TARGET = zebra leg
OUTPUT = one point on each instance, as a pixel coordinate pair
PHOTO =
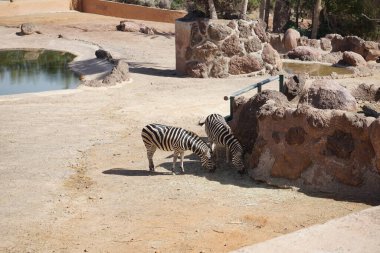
(227, 155)
(175, 156)
(150, 152)
(182, 168)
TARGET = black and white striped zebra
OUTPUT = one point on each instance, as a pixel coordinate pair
(219, 133)
(175, 139)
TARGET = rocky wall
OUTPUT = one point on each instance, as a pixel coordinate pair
(219, 48)
(327, 150)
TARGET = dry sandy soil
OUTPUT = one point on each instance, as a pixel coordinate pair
(73, 167)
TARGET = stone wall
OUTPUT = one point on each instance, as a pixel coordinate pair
(27, 7)
(208, 48)
(328, 150)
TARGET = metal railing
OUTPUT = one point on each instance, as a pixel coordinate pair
(251, 87)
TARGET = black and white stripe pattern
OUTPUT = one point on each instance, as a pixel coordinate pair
(220, 133)
(175, 139)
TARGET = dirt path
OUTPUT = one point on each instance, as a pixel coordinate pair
(74, 171)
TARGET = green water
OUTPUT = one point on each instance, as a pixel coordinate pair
(24, 71)
(314, 69)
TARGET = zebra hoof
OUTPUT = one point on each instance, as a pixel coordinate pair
(151, 169)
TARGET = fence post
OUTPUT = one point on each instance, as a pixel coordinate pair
(281, 83)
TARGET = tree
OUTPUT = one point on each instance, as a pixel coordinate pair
(212, 9)
(267, 8)
(315, 24)
(244, 9)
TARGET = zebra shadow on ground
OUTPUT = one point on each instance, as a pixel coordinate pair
(135, 173)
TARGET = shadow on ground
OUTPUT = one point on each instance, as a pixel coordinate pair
(92, 67)
(150, 69)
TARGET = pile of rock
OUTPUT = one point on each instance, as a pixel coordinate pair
(206, 48)
(335, 149)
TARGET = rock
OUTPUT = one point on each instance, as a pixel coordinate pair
(231, 46)
(372, 55)
(336, 42)
(305, 53)
(294, 86)
(290, 39)
(374, 133)
(205, 52)
(333, 57)
(197, 69)
(245, 29)
(129, 26)
(276, 41)
(218, 32)
(368, 92)
(259, 30)
(328, 94)
(326, 44)
(28, 29)
(271, 56)
(371, 110)
(244, 65)
(353, 59)
(233, 24)
(119, 73)
(253, 44)
(103, 54)
(219, 68)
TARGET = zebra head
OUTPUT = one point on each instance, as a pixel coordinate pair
(207, 160)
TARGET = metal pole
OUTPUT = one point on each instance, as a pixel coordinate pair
(281, 83)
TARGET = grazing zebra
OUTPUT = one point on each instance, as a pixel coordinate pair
(175, 139)
(219, 133)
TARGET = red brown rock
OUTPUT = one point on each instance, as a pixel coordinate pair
(305, 53)
(290, 39)
(271, 56)
(244, 65)
(353, 59)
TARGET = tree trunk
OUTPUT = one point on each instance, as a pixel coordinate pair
(298, 12)
(212, 9)
(316, 12)
(281, 15)
(262, 9)
(244, 9)
(267, 9)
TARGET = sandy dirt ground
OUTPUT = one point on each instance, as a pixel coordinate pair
(74, 172)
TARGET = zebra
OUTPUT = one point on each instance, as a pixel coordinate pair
(175, 139)
(219, 133)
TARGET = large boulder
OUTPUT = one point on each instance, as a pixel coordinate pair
(353, 59)
(28, 29)
(244, 65)
(328, 94)
(259, 29)
(231, 46)
(271, 56)
(277, 42)
(294, 86)
(371, 51)
(205, 52)
(218, 32)
(305, 53)
(252, 44)
(290, 39)
(375, 139)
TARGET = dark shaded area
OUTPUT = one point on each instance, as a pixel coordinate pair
(134, 173)
(92, 66)
(340, 144)
(150, 69)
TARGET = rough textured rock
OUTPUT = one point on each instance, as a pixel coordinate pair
(214, 48)
(129, 26)
(333, 57)
(103, 54)
(219, 68)
(28, 29)
(218, 32)
(271, 56)
(326, 44)
(245, 29)
(244, 123)
(327, 150)
(294, 86)
(371, 51)
(205, 52)
(231, 46)
(244, 65)
(305, 53)
(353, 59)
(260, 32)
(197, 69)
(252, 44)
(367, 92)
(374, 133)
(290, 39)
(277, 42)
(119, 73)
(328, 94)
